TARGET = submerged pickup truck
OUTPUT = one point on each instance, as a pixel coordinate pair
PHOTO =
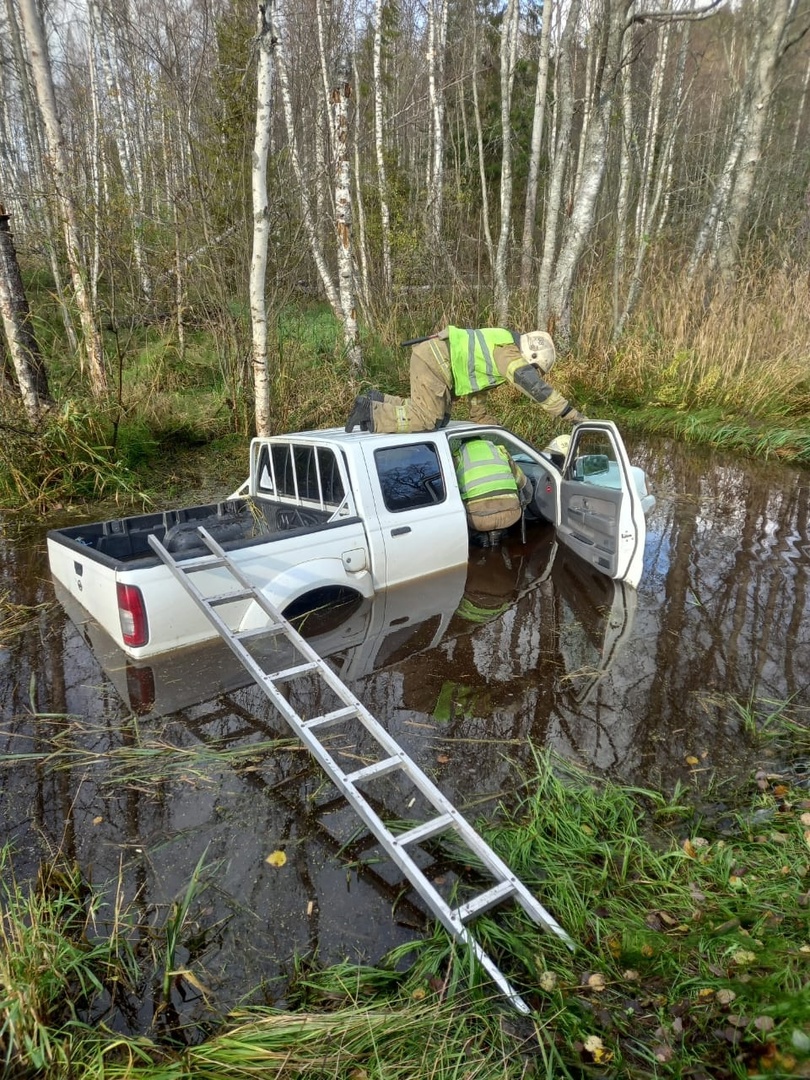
(326, 514)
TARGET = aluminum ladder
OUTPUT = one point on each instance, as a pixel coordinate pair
(391, 758)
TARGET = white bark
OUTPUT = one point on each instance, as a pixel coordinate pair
(509, 42)
(479, 133)
(46, 99)
(128, 157)
(538, 121)
(594, 160)
(261, 221)
(563, 121)
(437, 39)
(341, 94)
(379, 150)
(315, 248)
(22, 345)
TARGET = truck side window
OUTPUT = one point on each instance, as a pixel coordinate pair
(410, 476)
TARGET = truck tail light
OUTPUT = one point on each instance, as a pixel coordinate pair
(132, 614)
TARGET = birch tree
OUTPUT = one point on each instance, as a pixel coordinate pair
(129, 157)
(379, 149)
(32, 380)
(341, 94)
(538, 121)
(720, 233)
(436, 44)
(261, 219)
(509, 43)
(46, 100)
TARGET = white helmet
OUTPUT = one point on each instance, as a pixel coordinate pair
(559, 445)
(538, 348)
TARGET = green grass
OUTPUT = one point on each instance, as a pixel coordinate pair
(692, 951)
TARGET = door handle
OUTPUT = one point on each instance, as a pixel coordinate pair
(401, 530)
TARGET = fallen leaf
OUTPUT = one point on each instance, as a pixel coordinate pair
(663, 1053)
(764, 1023)
(276, 858)
(801, 1040)
(418, 994)
(744, 956)
(548, 980)
(805, 819)
(689, 849)
(705, 992)
(98, 820)
(807, 837)
(725, 996)
(631, 975)
(597, 982)
(593, 1042)
(310, 907)
(442, 759)
(780, 790)
(647, 950)
(690, 759)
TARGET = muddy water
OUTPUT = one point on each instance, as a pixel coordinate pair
(523, 646)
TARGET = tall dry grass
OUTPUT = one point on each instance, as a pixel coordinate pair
(689, 346)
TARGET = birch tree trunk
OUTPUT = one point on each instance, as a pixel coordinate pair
(437, 39)
(718, 236)
(563, 122)
(538, 121)
(479, 134)
(261, 220)
(128, 157)
(315, 248)
(594, 160)
(379, 149)
(341, 93)
(32, 380)
(509, 41)
(46, 99)
(33, 127)
(774, 17)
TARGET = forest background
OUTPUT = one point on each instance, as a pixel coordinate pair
(227, 216)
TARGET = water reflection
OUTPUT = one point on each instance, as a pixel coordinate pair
(464, 669)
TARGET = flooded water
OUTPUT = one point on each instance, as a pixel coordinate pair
(156, 767)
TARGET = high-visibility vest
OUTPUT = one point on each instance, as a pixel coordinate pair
(471, 357)
(483, 471)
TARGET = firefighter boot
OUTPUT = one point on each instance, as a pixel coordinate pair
(361, 414)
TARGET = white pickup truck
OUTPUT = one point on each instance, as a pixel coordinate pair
(326, 514)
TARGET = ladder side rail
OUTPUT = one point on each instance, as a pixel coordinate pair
(451, 919)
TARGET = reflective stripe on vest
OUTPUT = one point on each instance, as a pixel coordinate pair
(483, 471)
(471, 357)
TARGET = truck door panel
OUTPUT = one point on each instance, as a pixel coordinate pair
(601, 513)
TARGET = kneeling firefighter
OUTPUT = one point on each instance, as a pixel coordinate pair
(459, 362)
(494, 488)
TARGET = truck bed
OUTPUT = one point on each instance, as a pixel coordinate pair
(125, 541)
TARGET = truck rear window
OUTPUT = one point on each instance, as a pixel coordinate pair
(410, 476)
(305, 473)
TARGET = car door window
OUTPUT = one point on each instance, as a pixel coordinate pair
(410, 476)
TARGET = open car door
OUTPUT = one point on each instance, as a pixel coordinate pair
(601, 514)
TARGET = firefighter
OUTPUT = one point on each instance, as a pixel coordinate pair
(493, 487)
(460, 362)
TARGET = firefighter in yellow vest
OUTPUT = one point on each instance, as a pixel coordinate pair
(493, 487)
(460, 362)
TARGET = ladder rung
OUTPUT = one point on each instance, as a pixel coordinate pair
(291, 672)
(424, 831)
(379, 768)
(486, 900)
(331, 717)
(228, 597)
(204, 562)
(257, 631)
